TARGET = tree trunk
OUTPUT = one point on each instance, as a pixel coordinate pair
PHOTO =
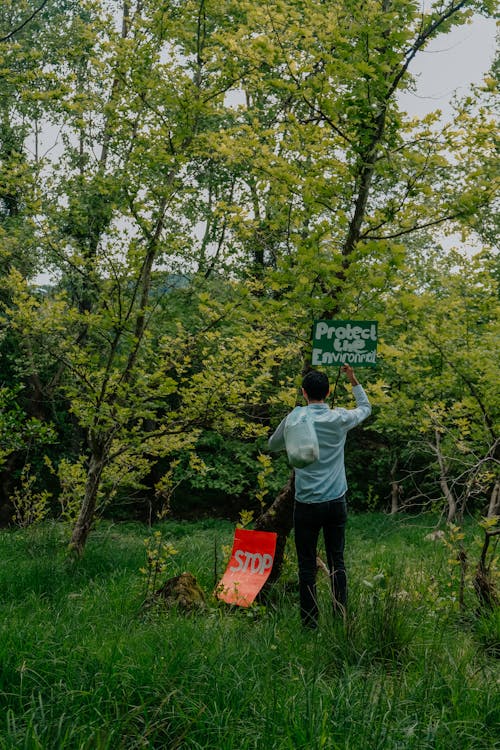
(395, 492)
(484, 582)
(450, 499)
(279, 518)
(85, 519)
(494, 507)
(395, 489)
(443, 480)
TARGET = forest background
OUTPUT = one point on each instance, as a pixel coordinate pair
(225, 174)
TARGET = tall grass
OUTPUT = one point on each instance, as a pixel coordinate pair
(84, 666)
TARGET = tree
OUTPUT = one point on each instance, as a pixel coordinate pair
(440, 398)
(348, 176)
(227, 173)
(27, 89)
(115, 226)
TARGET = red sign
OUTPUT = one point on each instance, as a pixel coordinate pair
(248, 568)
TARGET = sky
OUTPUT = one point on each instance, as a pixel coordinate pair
(449, 65)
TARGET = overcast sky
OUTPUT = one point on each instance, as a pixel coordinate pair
(450, 64)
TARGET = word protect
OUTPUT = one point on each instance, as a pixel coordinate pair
(341, 341)
(347, 331)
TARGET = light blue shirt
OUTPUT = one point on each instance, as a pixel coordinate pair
(325, 479)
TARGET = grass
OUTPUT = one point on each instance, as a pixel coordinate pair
(84, 666)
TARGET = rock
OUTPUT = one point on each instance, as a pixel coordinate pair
(182, 591)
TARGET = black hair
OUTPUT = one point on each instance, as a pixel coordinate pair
(316, 385)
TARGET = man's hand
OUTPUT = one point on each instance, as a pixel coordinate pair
(350, 374)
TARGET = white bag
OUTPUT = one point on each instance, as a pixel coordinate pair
(301, 441)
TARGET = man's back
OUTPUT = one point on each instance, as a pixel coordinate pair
(325, 478)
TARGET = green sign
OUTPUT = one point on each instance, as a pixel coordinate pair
(337, 342)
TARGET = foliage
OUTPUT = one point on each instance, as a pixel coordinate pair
(71, 476)
(231, 467)
(223, 174)
(441, 392)
(17, 432)
(158, 556)
(30, 507)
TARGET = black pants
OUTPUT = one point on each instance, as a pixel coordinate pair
(309, 519)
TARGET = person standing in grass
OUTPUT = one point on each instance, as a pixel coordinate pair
(320, 491)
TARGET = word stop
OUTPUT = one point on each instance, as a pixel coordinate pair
(252, 562)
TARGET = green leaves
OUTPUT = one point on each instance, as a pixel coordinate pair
(18, 432)
(220, 175)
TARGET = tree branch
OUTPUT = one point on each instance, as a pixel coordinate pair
(415, 228)
(24, 23)
(422, 39)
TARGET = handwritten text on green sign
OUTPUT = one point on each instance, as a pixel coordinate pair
(341, 341)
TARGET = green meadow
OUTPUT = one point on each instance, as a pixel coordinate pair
(85, 666)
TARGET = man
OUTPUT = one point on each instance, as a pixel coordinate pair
(320, 490)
